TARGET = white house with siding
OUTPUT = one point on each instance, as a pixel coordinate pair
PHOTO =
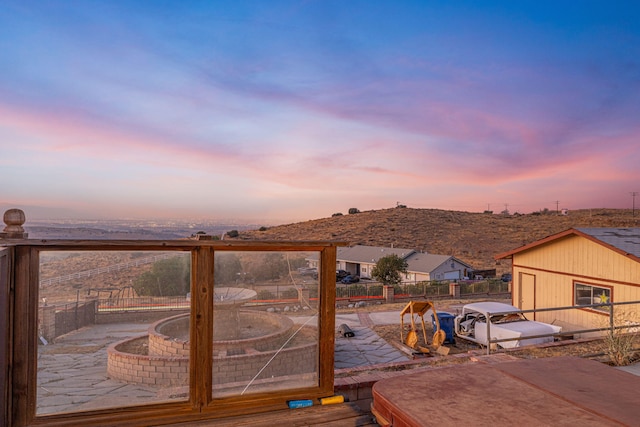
(360, 259)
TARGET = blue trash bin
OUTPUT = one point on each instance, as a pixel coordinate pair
(446, 324)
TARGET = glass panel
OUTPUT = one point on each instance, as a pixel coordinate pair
(583, 294)
(265, 322)
(113, 329)
(601, 296)
(587, 295)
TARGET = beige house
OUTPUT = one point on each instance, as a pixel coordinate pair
(581, 266)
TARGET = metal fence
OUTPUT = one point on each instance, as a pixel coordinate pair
(614, 324)
(489, 286)
(424, 288)
(143, 304)
(360, 290)
(368, 289)
(56, 320)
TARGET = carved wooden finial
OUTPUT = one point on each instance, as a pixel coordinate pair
(14, 219)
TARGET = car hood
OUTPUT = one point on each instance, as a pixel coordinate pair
(526, 328)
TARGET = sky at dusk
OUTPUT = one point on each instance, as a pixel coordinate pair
(295, 110)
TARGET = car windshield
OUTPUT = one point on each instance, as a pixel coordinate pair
(507, 318)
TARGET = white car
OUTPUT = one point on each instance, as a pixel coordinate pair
(511, 323)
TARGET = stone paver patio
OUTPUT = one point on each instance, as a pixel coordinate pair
(72, 372)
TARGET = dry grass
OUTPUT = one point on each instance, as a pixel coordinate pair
(472, 237)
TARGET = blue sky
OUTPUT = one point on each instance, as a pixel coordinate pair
(295, 110)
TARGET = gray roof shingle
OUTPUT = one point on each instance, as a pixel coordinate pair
(369, 254)
(624, 239)
(421, 262)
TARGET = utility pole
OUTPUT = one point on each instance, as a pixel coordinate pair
(557, 207)
(633, 197)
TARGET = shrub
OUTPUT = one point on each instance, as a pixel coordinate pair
(415, 289)
(620, 340)
(289, 294)
(353, 211)
(167, 277)
(233, 233)
(337, 214)
(267, 266)
(264, 294)
(356, 290)
(263, 228)
(375, 290)
(226, 269)
(342, 292)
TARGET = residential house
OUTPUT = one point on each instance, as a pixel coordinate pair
(423, 266)
(360, 260)
(580, 266)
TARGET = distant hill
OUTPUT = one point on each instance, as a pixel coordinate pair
(472, 237)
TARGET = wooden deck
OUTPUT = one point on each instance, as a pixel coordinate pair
(338, 415)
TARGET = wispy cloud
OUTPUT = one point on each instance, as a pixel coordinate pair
(310, 106)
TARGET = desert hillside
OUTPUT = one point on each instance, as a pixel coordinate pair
(472, 237)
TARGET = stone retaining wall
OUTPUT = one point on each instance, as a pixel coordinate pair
(143, 369)
(174, 370)
(289, 361)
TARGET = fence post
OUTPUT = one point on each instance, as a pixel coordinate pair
(388, 293)
(304, 296)
(454, 289)
(48, 322)
(611, 320)
(488, 320)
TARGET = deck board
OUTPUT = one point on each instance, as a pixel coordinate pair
(338, 415)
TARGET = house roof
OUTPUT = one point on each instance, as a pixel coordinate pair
(625, 241)
(370, 254)
(422, 262)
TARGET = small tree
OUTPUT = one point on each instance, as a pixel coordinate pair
(353, 211)
(226, 268)
(167, 277)
(388, 268)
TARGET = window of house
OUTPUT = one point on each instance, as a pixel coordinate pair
(589, 294)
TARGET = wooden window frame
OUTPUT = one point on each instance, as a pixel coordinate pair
(20, 333)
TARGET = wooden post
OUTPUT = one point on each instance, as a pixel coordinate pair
(14, 219)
